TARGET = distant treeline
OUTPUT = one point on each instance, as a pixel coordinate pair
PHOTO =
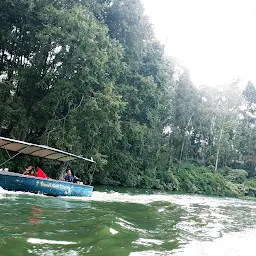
(89, 77)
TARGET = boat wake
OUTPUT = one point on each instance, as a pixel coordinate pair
(6, 193)
(186, 201)
(157, 224)
(235, 244)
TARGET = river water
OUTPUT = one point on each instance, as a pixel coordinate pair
(126, 222)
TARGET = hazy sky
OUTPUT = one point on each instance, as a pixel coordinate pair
(214, 39)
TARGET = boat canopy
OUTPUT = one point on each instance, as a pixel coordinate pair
(39, 150)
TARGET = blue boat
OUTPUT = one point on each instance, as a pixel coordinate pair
(19, 182)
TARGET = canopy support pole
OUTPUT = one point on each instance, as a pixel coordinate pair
(10, 158)
(64, 168)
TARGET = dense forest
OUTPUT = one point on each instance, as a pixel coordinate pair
(89, 77)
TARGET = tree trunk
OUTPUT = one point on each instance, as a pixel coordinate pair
(181, 151)
(218, 151)
(183, 143)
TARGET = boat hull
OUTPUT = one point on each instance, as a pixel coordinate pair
(19, 182)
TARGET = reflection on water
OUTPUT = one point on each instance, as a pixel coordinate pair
(36, 211)
(114, 223)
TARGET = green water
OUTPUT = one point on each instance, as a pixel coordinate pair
(126, 222)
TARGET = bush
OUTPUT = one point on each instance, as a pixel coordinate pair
(237, 176)
(236, 189)
(225, 170)
(250, 186)
(250, 183)
(199, 179)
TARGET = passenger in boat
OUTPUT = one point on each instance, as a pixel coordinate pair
(30, 171)
(64, 175)
(76, 179)
(69, 177)
(40, 173)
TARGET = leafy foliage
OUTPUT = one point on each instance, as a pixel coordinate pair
(90, 77)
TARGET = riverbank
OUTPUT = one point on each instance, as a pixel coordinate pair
(190, 178)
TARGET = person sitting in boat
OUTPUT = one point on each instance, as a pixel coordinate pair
(64, 175)
(76, 179)
(69, 177)
(30, 171)
(40, 173)
(4, 170)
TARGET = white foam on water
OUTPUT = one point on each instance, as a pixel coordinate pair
(11, 195)
(161, 209)
(45, 241)
(125, 221)
(126, 225)
(204, 224)
(233, 244)
(152, 253)
(14, 194)
(43, 252)
(187, 201)
(113, 231)
(148, 242)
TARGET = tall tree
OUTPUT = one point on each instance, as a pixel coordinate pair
(58, 63)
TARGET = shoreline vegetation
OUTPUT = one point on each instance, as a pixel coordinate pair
(90, 77)
(195, 179)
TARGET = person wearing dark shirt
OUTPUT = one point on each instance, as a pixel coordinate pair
(30, 171)
(69, 177)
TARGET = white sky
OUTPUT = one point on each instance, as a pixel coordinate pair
(214, 39)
